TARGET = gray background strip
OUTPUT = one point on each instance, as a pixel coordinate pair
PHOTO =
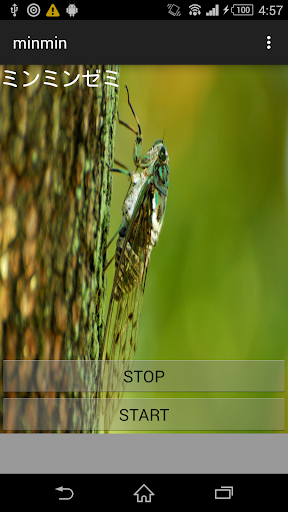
(144, 453)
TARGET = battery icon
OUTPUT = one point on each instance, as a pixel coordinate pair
(242, 9)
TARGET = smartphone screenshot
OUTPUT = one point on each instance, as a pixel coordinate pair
(143, 253)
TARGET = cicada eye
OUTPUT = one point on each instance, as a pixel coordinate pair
(163, 154)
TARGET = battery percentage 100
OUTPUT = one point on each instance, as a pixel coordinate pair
(242, 9)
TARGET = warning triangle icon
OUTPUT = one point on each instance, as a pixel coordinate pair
(52, 12)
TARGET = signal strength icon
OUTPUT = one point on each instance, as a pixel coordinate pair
(214, 11)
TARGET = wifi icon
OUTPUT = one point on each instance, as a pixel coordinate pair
(194, 9)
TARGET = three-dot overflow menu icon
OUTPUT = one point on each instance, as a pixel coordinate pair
(268, 42)
(224, 493)
(144, 494)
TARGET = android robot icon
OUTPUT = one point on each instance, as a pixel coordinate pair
(72, 10)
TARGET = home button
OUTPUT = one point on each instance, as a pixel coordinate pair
(144, 494)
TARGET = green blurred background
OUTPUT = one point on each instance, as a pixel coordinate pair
(217, 284)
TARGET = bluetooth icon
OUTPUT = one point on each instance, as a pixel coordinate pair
(14, 9)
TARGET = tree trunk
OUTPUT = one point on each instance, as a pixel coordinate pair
(55, 190)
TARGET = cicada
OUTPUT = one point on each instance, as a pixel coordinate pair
(143, 213)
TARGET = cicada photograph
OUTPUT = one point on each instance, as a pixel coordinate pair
(144, 220)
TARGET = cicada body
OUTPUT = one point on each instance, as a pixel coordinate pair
(143, 213)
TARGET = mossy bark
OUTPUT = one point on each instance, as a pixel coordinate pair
(56, 144)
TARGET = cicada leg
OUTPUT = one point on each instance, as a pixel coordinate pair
(109, 262)
(110, 242)
(114, 236)
(128, 173)
(122, 171)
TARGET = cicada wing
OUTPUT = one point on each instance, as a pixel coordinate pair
(121, 332)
